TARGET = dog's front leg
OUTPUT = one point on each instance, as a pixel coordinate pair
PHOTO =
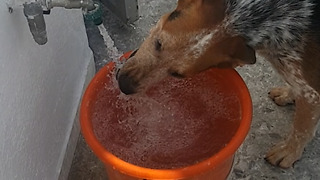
(305, 123)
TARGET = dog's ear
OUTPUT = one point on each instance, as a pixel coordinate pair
(237, 51)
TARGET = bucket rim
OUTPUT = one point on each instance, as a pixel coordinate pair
(141, 172)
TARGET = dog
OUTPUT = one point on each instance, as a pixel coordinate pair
(201, 34)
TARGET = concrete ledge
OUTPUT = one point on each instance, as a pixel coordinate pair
(75, 132)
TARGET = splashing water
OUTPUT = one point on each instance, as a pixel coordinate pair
(175, 123)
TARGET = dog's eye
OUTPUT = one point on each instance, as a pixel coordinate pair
(158, 45)
(176, 75)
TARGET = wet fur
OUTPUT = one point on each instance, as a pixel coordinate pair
(201, 34)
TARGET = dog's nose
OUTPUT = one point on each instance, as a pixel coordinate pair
(126, 84)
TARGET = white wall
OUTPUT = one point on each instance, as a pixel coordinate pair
(40, 89)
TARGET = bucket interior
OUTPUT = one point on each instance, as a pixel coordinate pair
(174, 124)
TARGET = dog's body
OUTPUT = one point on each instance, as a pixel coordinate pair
(201, 34)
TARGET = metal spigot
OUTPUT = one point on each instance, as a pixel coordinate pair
(34, 12)
(69, 4)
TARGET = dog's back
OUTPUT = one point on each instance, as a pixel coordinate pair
(273, 24)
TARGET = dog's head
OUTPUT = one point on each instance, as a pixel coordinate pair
(184, 42)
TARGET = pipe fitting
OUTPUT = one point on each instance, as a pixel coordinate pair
(70, 4)
(94, 15)
(34, 14)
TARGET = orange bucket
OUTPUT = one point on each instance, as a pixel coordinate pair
(230, 128)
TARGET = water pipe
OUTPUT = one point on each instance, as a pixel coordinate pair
(69, 4)
(34, 12)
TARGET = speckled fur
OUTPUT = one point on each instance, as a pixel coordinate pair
(280, 30)
(275, 24)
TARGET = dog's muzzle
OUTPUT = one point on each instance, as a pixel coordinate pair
(126, 83)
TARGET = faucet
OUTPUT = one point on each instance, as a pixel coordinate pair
(69, 4)
(34, 12)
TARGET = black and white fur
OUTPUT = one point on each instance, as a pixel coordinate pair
(281, 30)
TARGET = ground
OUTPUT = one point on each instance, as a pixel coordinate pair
(270, 122)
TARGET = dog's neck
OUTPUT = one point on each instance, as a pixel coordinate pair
(271, 24)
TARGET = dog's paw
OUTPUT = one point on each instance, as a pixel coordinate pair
(284, 154)
(281, 96)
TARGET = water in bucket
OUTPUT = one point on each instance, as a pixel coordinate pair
(174, 124)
